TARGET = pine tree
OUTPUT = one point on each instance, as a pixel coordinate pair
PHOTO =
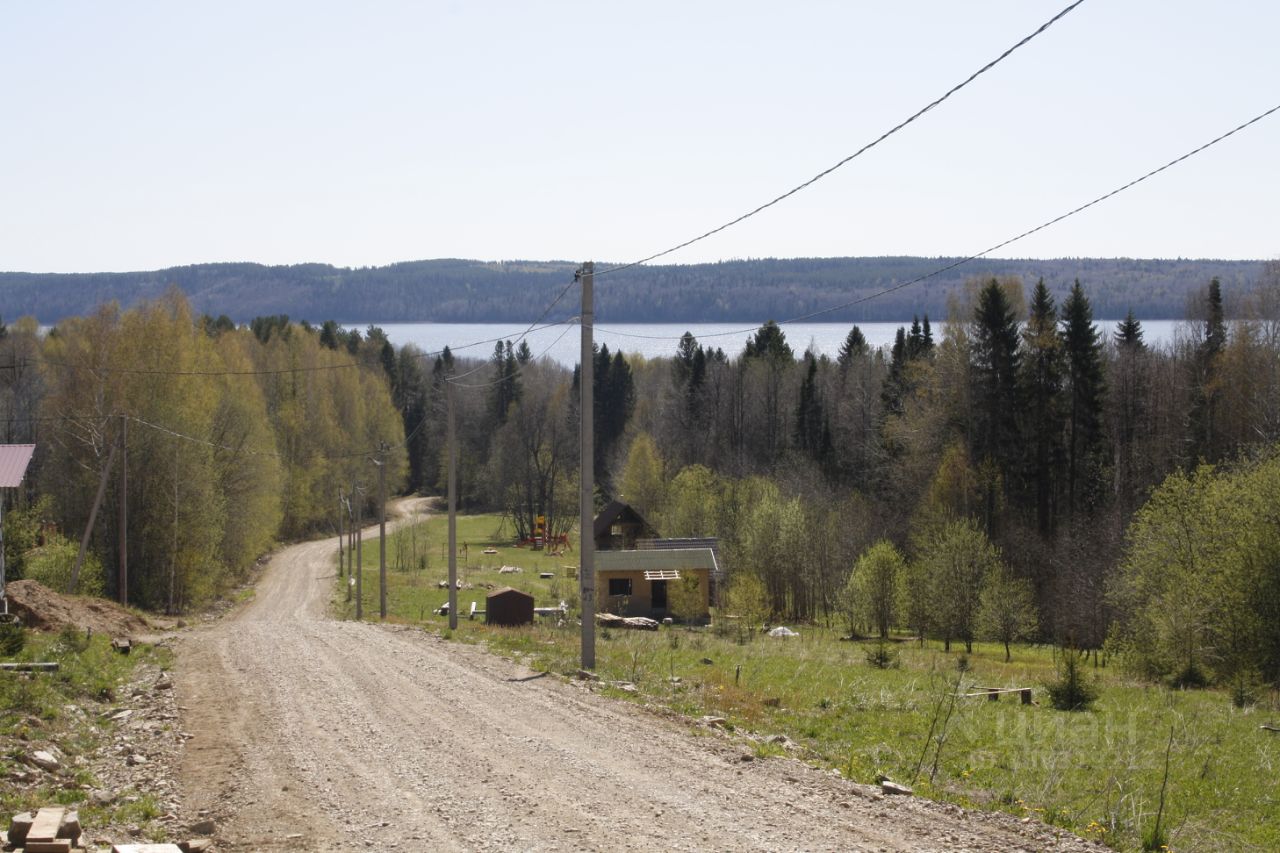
(1086, 387)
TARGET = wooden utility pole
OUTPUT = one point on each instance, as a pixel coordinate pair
(382, 529)
(122, 579)
(587, 548)
(359, 554)
(453, 507)
(93, 516)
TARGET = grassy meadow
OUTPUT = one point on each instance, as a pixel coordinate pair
(1098, 772)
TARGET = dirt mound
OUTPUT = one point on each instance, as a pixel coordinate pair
(45, 610)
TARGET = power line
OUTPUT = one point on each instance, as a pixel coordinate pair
(541, 317)
(278, 371)
(984, 252)
(825, 172)
(538, 357)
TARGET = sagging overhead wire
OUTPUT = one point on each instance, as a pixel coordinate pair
(569, 324)
(947, 268)
(525, 333)
(865, 148)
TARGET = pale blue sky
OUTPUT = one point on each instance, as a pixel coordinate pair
(142, 135)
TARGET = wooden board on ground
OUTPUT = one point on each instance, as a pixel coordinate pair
(57, 845)
(45, 826)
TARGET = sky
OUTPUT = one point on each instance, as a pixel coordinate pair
(142, 135)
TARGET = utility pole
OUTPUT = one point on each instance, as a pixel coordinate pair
(359, 555)
(122, 580)
(453, 507)
(342, 544)
(88, 528)
(382, 529)
(587, 550)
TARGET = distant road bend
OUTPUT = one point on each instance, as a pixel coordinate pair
(309, 733)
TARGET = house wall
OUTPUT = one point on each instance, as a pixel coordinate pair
(640, 602)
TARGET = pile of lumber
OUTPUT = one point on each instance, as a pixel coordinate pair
(635, 623)
(50, 830)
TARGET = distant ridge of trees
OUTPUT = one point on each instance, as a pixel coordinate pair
(459, 291)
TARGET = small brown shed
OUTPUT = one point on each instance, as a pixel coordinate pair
(507, 606)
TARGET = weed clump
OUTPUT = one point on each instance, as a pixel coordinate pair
(882, 656)
(12, 638)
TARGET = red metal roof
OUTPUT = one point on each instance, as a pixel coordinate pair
(14, 459)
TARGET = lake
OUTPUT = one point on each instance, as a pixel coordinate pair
(653, 340)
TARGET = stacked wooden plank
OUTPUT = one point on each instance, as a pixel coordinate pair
(50, 830)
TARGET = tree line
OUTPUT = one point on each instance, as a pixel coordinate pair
(466, 291)
(234, 437)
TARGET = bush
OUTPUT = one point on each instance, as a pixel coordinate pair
(882, 656)
(1072, 691)
(52, 564)
(12, 638)
(1190, 677)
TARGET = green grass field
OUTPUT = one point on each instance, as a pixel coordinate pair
(1097, 772)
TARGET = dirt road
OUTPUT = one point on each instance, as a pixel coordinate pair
(315, 734)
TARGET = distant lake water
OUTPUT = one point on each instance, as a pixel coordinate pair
(658, 340)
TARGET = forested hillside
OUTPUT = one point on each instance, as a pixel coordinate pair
(514, 291)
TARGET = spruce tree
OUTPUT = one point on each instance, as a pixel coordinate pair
(1129, 332)
(854, 346)
(994, 376)
(1042, 380)
(1086, 386)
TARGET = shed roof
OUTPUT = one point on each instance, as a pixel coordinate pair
(655, 561)
(505, 591)
(14, 459)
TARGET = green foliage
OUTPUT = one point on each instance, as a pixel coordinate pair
(247, 439)
(13, 637)
(1007, 609)
(1196, 590)
(871, 592)
(686, 600)
(52, 565)
(954, 558)
(643, 485)
(1072, 690)
(883, 656)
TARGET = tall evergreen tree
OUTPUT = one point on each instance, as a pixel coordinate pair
(1041, 379)
(812, 435)
(1086, 387)
(1129, 332)
(994, 377)
(854, 346)
(1204, 381)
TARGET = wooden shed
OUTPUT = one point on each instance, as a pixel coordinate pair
(507, 606)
